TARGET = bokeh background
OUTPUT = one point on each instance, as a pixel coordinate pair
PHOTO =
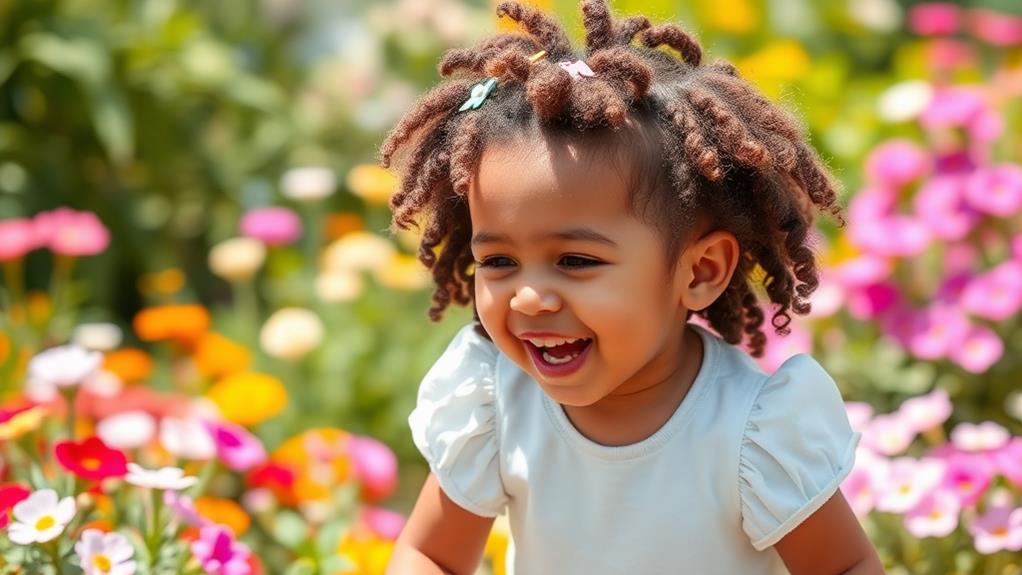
(189, 189)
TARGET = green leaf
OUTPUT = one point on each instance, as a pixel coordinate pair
(301, 567)
(113, 122)
(329, 536)
(290, 529)
(8, 62)
(80, 58)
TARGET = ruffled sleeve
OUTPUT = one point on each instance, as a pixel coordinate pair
(796, 450)
(454, 424)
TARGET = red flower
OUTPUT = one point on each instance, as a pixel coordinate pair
(279, 479)
(10, 495)
(91, 459)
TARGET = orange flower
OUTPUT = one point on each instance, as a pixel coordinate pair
(216, 355)
(320, 459)
(129, 364)
(341, 224)
(5, 347)
(182, 323)
(248, 398)
(166, 282)
(225, 512)
(369, 554)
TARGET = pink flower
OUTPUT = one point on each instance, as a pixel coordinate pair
(863, 270)
(896, 163)
(888, 434)
(940, 204)
(995, 28)
(985, 436)
(980, 349)
(935, 18)
(71, 233)
(996, 190)
(962, 107)
(1008, 460)
(17, 238)
(936, 515)
(274, 226)
(947, 54)
(219, 553)
(996, 294)
(184, 508)
(779, 348)
(861, 484)
(383, 522)
(895, 235)
(873, 301)
(926, 412)
(937, 330)
(967, 476)
(859, 414)
(827, 299)
(908, 481)
(235, 446)
(375, 467)
(997, 529)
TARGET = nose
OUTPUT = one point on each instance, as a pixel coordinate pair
(530, 301)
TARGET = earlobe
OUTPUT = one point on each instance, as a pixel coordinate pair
(710, 262)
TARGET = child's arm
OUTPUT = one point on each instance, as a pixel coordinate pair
(440, 536)
(829, 542)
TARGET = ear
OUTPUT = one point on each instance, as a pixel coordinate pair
(705, 268)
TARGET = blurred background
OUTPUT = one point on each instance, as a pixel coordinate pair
(189, 189)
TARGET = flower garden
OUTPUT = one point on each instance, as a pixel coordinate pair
(209, 342)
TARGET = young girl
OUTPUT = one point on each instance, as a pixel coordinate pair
(588, 208)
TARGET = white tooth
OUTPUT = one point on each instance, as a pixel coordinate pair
(557, 361)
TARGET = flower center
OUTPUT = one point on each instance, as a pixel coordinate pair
(44, 523)
(101, 562)
(91, 463)
(1000, 531)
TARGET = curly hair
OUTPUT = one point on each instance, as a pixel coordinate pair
(722, 151)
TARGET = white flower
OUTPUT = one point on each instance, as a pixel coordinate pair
(904, 101)
(162, 478)
(187, 438)
(105, 553)
(339, 286)
(308, 184)
(40, 518)
(127, 429)
(237, 259)
(64, 366)
(358, 251)
(291, 333)
(97, 336)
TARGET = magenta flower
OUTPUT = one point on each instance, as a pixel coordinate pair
(375, 467)
(962, 107)
(908, 481)
(998, 529)
(967, 476)
(940, 204)
(70, 233)
(17, 238)
(888, 434)
(937, 330)
(985, 436)
(996, 190)
(896, 163)
(936, 515)
(219, 553)
(926, 412)
(863, 270)
(274, 226)
(235, 446)
(996, 28)
(935, 18)
(980, 349)
(873, 301)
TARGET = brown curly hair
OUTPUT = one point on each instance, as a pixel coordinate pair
(721, 150)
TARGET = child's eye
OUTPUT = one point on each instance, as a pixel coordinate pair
(495, 262)
(575, 262)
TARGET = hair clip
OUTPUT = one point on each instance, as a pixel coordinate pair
(480, 92)
(537, 56)
(578, 69)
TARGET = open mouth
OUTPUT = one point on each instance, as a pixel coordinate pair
(561, 359)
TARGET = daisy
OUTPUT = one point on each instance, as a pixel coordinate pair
(163, 478)
(41, 517)
(105, 553)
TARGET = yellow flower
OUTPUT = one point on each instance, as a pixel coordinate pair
(166, 282)
(342, 224)
(496, 545)
(22, 423)
(506, 24)
(372, 183)
(225, 512)
(248, 398)
(339, 286)
(404, 272)
(5, 347)
(291, 333)
(369, 554)
(217, 356)
(778, 62)
(358, 251)
(129, 364)
(731, 16)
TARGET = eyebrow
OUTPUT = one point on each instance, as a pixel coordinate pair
(583, 234)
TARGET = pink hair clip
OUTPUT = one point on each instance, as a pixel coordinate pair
(577, 69)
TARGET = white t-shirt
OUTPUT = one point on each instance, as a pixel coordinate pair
(742, 461)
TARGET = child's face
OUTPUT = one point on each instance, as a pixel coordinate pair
(560, 255)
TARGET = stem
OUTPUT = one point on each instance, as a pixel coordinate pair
(62, 267)
(70, 393)
(53, 549)
(14, 273)
(247, 306)
(154, 540)
(207, 473)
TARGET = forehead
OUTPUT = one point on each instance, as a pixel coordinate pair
(547, 179)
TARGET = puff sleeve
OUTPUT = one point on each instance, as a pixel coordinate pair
(797, 448)
(454, 423)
